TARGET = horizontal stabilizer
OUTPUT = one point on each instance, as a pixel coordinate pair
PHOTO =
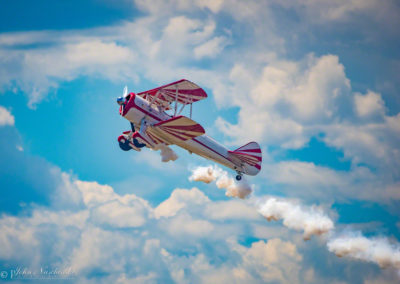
(251, 157)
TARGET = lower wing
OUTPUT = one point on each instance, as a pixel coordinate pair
(174, 130)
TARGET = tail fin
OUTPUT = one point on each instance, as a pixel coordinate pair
(251, 157)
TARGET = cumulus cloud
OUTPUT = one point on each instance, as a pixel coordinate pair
(179, 199)
(369, 104)
(38, 71)
(109, 232)
(284, 101)
(113, 232)
(6, 118)
(211, 48)
(310, 181)
(264, 257)
(293, 101)
(113, 53)
(287, 99)
(290, 102)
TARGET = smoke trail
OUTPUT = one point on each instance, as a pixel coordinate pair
(377, 250)
(167, 154)
(233, 188)
(312, 221)
(205, 174)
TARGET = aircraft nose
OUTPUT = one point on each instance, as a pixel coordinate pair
(126, 103)
(120, 100)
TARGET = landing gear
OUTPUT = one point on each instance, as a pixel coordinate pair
(125, 140)
(124, 145)
(238, 177)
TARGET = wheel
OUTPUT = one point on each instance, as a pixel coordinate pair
(238, 177)
(124, 145)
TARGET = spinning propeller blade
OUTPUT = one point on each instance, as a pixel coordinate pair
(125, 93)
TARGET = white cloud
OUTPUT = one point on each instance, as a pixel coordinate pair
(37, 71)
(309, 181)
(213, 5)
(97, 249)
(303, 173)
(6, 118)
(210, 48)
(150, 46)
(185, 226)
(265, 257)
(118, 214)
(121, 237)
(180, 198)
(375, 144)
(101, 237)
(369, 104)
(230, 210)
(287, 100)
(290, 102)
(337, 11)
(280, 103)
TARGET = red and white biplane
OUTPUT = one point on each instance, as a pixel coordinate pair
(157, 115)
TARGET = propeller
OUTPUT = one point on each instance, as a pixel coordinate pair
(125, 93)
(121, 100)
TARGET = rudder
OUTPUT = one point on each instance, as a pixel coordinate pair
(251, 157)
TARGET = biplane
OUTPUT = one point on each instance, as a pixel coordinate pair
(156, 122)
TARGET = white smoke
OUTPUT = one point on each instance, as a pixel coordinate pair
(167, 154)
(312, 221)
(377, 250)
(205, 174)
(233, 188)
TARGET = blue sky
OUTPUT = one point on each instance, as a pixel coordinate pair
(316, 83)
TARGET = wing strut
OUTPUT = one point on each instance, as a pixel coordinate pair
(154, 98)
(176, 99)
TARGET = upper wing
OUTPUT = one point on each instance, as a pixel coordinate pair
(175, 130)
(184, 91)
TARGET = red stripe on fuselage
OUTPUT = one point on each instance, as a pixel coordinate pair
(226, 158)
(145, 112)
